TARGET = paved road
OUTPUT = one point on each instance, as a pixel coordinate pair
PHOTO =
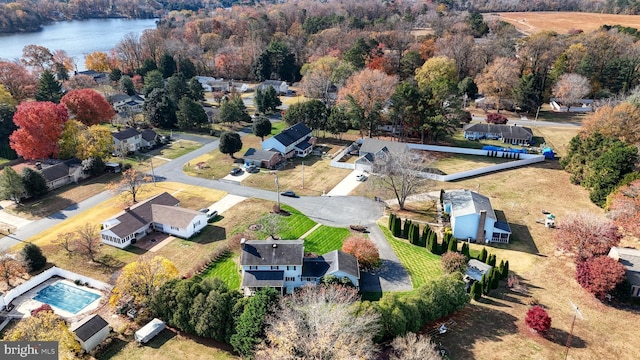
(340, 211)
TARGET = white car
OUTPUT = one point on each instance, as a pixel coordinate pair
(361, 177)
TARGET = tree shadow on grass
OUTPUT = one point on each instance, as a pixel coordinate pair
(160, 339)
(109, 262)
(489, 301)
(112, 349)
(560, 337)
(210, 234)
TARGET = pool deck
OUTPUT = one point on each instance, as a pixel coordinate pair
(25, 302)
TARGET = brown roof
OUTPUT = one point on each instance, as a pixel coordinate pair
(173, 215)
(141, 214)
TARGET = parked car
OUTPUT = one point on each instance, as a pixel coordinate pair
(212, 214)
(204, 210)
(252, 169)
(361, 177)
(235, 171)
(288, 193)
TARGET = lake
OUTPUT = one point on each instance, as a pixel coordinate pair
(77, 37)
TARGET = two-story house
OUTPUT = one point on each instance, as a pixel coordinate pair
(372, 149)
(280, 86)
(160, 213)
(127, 104)
(296, 140)
(281, 264)
(131, 140)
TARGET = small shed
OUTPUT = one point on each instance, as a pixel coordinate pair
(476, 268)
(91, 331)
(149, 331)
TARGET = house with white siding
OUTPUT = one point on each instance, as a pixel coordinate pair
(630, 259)
(132, 140)
(160, 213)
(295, 140)
(90, 332)
(473, 218)
(281, 264)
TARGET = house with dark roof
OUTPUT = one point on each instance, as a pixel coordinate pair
(630, 259)
(58, 174)
(126, 104)
(281, 264)
(131, 140)
(511, 134)
(295, 140)
(371, 149)
(149, 138)
(97, 76)
(473, 218)
(160, 213)
(91, 331)
(280, 86)
(267, 159)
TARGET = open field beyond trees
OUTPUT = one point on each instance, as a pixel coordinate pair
(534, 22)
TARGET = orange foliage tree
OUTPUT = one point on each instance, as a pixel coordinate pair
(624, 208)
(586, 235)
(97, 61)
(40, 125)
(364, 250)
(17, 80)
(88, 106)
(621, 121)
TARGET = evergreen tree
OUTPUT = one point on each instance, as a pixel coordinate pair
(505, 271)
(177, 87)
(453, 245)
(433, 243)
(405, 228)
(32, 256)
(445, 244)
(416, 234)
(476, 291)
(250, 324)
(11, 185)
(115, 75)
(262, 127)
(159, 110)
(147, 66)
(34, 183)
(484, 284)
(49, 89)
(230, 143)
(126, 85)
(190, 114)
(465, 250)
(397, 229)
(153, 80)
(186, 66)
(195, 89)
(495, 278)
(390, 225)
(167, 66)
(483, 255)
(501, 268)
(491, 260)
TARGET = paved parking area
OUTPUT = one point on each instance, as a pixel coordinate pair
(347, 185)
(237, 178)
(226, 203)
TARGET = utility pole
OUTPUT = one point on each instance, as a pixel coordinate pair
(303, 174)
(576, 313)
(152, 172)
(535, 121)
(277, 188)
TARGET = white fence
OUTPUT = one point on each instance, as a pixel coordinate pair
(10, 295)
(340, 155)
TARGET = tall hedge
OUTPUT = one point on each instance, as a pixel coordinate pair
(483, 255)
(397, 227)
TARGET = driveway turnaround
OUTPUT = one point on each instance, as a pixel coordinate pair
(347, 185)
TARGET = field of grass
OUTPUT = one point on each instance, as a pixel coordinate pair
(297, 224)
(226, 269)
(218, 164)
(176, 149)
(325, 239)
(450, 163)
(421, 264)
(562, 22)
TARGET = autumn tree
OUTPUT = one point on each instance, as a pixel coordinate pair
(599, 275)
(320, 322)
(40, 125)
(570, 88)
(319, 78)
(454, 262)
(49, 89)
(131, 183)
(83, 142)
(47, 326)
(438, 75)
(621, 121)
(97, 61)
(538, 320)
(6, 98)
(66, 241)
(414, 347)
(10, 268)
(367, 93)
(262, 127)
(80, 81)
(87, 240)
(624, 207)
(495, 118)
(498, 79)
(11, 185)
(37, 57)
(230, 143)
(88, 106)
(364, 250)
(585, 235)
(17, 80)
(401, 173)
(141, 280)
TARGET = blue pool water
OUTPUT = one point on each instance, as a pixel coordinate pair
(66, 297)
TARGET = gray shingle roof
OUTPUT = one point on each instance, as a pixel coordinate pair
(464, 202)
(259, 155)
(630, 259)
(85, 330)
(149, 135)
(372, 146)
(262, 279)
(140, 215)
(331, 263)
(272, 252)
(476, 268)
(59, 170)
(292, 134)
(125, 134)
(173, 215)
(506, 131)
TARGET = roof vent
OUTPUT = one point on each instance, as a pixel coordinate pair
(275, 245)
(242, 242)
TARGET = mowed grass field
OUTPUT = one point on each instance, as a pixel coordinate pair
(325, 239)
(561, 22)
(226, 269)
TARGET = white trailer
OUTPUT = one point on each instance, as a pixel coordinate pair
(149, 331)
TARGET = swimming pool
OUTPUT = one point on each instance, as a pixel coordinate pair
(66, 297)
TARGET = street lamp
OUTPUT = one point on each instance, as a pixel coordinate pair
(277, 188)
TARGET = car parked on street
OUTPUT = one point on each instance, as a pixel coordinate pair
(288, 193)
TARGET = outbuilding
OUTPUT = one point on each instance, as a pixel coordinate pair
(91, 331)
(149, 331)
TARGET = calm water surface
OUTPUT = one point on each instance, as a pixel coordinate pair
(77, 38)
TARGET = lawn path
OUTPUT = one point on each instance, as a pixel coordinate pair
(310, 231)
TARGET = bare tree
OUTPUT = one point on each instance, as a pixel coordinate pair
(131, 183)
(67, 242)
(88, 240)
(498, 79)
(570, 88)
(272, 225)
(320, 322)
(403, 173)
(10, 268)
(413, 347)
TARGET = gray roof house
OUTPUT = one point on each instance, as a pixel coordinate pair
(370, 149)
(296, 140)
(62, 173)
(126, 104)
(472, 217)
(131, 140)
(281, 264)
(280, 86)
(511, 134)
(159, 213)
(91, 331)
(267, 159)
(630, 259)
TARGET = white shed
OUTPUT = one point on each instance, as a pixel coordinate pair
(149, 331)
(91, 331)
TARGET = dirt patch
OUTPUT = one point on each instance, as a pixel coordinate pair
(562, 22)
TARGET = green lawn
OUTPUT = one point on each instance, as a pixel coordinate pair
(277, 127)
(325, 239)
(421, 264)
(226, 269)
(298, 224)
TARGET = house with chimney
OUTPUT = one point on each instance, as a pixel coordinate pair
(160, 213)
(472, 217)
(281, 264)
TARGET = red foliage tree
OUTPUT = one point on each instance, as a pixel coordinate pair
(88, 106)
(624, 208)
(599, 275)
(586, 235)
(18, 81)
(41, 308)
(364, 250)
(495, 118)
(40, 125)
(538, 320)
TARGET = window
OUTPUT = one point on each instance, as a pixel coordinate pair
(175, 228)
(289, 278)
(291, 267)
(253, 267)
(274, 267)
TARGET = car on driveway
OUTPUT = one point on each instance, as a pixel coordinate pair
(288, 193)
(361, 177)
(204, 210)
(235, 171)
(252, 169)
(212, 214)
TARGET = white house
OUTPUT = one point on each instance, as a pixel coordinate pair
(295, 140)
(371, 149)
(281, 264)
(472, 217)
(148, 138)
(127, 104)
(91, 331)
(580, 105)
(280, 86)
(131, 140)
(159, 213)
(630, 259)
